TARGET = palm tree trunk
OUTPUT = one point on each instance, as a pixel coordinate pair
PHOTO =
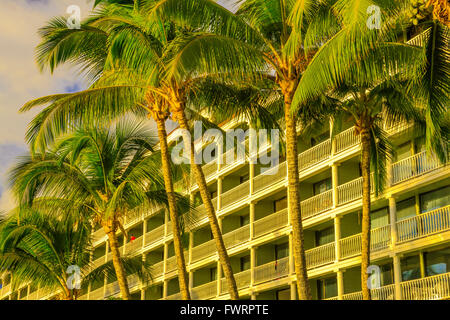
(215, 229)
(182, 273)
(365, 235)
(118, 266)
(304, 290)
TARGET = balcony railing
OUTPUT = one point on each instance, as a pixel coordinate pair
(383, 293)
(380, 238)
(237, 236)
(203, 250)
(423, 225)
(208, 170)
(176, 296)
(154, 235)
(226, 163)
(97, 235)
(242, 281)
(272, 271)
(317, 204)
(271, 177)
(314, 155)
(98, 262)
(157, 269)
(429, 288)
(171, 263)
(134, 245)
(347, 139)
(97, 294)
(272, 222)
(414, 166)
(320, 256)
(205, 291)
(112, 289)
(236, 194)
(352, 190)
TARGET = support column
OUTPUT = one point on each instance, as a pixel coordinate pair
(340, 284)
(219, 193)
(252, 265)
(165, 288)
(293, 291)
(393, 220)
(335, 183)
(333, 141)
(219, 278)
(144, 258)
(397, 277)
(291, 255)
(252, 220)
(337, 238)
(251, 175)
(422, 264)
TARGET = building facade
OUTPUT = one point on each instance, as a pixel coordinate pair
(410, 236)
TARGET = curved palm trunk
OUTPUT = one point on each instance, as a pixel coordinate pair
(118, 266)
(182, 273)
(365, 235)
(215, 229)
(303, 288)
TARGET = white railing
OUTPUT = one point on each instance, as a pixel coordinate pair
(347, 139)
(272, 222)
(414, 166)
(157, 269)
(238, 193)
(205, 291)
(176, 296)
(236, 237)
(154, 235)
(98, 262)
(134, 245)
(203, 250)
(112, 289)
(317, 204)
(97, 235)
(392, 127)
(429, 288)
(97, 294)
(380, 238)
(314, 155)
(383, 293)
(171, 263)
(208, 169)
(228, 163)
(423, 225)
(320, 256)
(242, 281)
(352, 190)
(272, 271)
(270, 177)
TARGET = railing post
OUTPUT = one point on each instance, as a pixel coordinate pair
(252, 266)
(397, 277)
(252, 220)
(219, 193)
(335, 183)
(340, 284)
(337, 238)
(393, 220)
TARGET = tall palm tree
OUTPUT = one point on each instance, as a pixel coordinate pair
(101, 172)
(260, 41)
(40, 248)
(373, 71)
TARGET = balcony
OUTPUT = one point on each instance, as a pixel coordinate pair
(347, 139)
(426, 224)
(274, 270)
(154, 235)
(380, 238)
(352, 190)
(317, 204)
(242, 281)
(236, 194)
(429, 288)
(320, 256)
(314, 155)
(270, 178)
(134, 245)
(414, 166)
(97, 294)
(236, 237)
(176, 296)
(205, 291)
(171, 263)
(271, 223)
(383, 293)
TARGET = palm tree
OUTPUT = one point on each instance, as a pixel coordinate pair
(260, 41)
(103, 173)
(374, 73)
(41, 248)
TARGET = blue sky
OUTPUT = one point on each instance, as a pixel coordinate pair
(20, 79)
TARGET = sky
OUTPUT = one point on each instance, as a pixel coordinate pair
(20, 79)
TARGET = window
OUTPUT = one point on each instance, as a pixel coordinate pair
(410, 267)
(387, 274)
(325, 236)
(244, 178)
(244, 263)
(326, 288)
(244, 220)
(435, 199)
(322, 186)
(437, 262)
(281, 250)
(379, 218)
(280, 204)
(406, 209)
